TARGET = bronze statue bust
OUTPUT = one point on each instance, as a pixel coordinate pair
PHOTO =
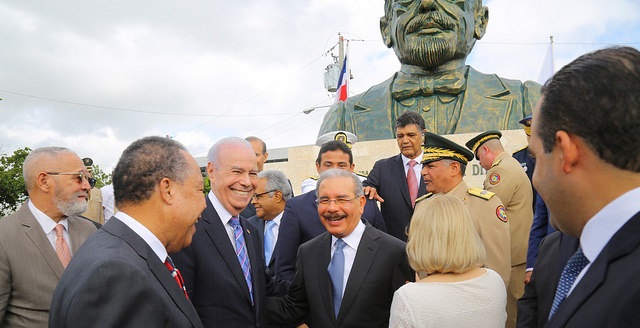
(432, 40)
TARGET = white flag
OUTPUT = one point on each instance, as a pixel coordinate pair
(547, 69)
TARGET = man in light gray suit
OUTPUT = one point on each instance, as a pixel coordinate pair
(30, 266)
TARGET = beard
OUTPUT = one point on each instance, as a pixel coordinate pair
(70, 206)
(429, 52)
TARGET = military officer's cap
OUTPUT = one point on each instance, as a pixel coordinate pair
(436, 148)
(527, 124)
(88, 162)
(478, 140)
(344, 136)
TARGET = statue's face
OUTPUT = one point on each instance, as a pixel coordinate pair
(429, 33)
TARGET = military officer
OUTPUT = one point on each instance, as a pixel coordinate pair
(443, 165)
(507, 179)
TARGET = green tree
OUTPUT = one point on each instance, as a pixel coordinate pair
(102, 178)
(12, 189)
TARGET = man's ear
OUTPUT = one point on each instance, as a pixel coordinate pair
(384, 30)
(568, 145)
(166, 187)
(481, 19)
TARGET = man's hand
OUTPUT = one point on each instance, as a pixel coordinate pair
(527, 277)
(372, 193)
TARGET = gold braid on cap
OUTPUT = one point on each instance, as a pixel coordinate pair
(527, 130)
(481, 141)
(436, 153)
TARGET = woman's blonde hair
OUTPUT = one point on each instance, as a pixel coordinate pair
(443, 238)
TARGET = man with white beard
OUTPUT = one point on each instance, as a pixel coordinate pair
(38, 240)
(432, 39)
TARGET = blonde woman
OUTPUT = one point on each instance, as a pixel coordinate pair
(452, 288)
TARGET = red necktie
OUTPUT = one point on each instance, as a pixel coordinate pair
(62, 248)
(412, 182)
(175, 273)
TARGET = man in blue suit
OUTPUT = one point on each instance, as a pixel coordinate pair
(300, 221)
(585, 140)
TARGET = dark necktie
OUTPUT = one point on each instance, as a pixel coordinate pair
(175, 273)
(569, 274)
(409, 85)
(336, 272)
(241, 253)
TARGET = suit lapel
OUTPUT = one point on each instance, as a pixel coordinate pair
(40, 241)
(496, 98)
(217, 232)
(364, 257)
(320, 263)
(622, 243)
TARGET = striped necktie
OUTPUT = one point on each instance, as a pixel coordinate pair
(241, 252)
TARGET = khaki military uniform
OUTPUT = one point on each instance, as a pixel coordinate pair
(491, 224)
(95, 212)
(508, 180)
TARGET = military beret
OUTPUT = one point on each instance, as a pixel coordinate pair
(436, 148)
(478, 140)
(344, 136)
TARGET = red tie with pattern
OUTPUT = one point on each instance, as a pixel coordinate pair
(175, 273)
(412, 182)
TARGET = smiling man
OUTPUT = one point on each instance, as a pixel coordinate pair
(346, 276)
(30, 265)
(122, 276)
(432, 39)
(223, 268)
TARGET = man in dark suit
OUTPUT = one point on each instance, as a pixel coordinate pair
(223, 268)
(300, 221)
(30, 265)
(534, 305)
(345, 277)
(122, 276)
(388, 181)
(585, 141)
(272, 193)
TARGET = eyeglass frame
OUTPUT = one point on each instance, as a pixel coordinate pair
(338, 201)
(257, 196)
(80, 174)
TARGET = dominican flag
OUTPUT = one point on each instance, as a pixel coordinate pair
(342, 92)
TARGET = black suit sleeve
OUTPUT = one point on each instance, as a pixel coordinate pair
(291, 308)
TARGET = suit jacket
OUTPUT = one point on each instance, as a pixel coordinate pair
(390, 181)
(534, 306)
(213, 276)
(607, 295)
(301, 223)
(30, 268)
(490, 103)
(380, 267)
(116, 280)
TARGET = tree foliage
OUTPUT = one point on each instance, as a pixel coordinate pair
(12, 189)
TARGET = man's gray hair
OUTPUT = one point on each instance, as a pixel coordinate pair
(214, 152)
(276, 180)
(338, 173)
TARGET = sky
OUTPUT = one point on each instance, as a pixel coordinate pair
(95, 76)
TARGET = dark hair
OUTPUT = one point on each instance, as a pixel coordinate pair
(332, 145)
(597, 98)
(264, 145)
(143, 164)
(409, 117)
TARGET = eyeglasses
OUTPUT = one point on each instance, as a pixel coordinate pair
(338, 201)
(79, 177)
(257, 196)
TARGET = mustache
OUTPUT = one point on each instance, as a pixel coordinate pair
(430, 19)
(333, 216)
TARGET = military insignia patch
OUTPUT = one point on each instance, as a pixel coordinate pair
(494, 178)
(501, 214)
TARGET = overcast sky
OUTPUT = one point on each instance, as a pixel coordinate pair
(96, 75)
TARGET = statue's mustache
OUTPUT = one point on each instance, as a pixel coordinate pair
(431, 19)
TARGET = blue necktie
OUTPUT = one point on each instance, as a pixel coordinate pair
(241, 252)
(569, 274)
(269, 240)
(336, 272)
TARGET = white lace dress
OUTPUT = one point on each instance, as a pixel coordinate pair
(478, 302)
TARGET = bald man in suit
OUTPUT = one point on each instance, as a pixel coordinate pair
(30, 268)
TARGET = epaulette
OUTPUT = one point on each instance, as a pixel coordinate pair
(360, 174)
(496, 163)
(521, 149)
(313, 177)
(423, 197)
(479, 192)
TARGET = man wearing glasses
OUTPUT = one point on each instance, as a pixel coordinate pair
(346, 276)
(37, 241)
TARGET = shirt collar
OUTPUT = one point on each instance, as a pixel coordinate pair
(144, 233)
(46, 223)
(405, 159)
(353, 239)
(224, 215)
(602, 226)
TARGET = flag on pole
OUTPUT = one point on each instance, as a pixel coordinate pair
(343, 82)
(547, 69)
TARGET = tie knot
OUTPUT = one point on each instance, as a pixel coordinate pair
(270, 225)
(234, 221)
(59, 230)
(340, 244)
(412, 163)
